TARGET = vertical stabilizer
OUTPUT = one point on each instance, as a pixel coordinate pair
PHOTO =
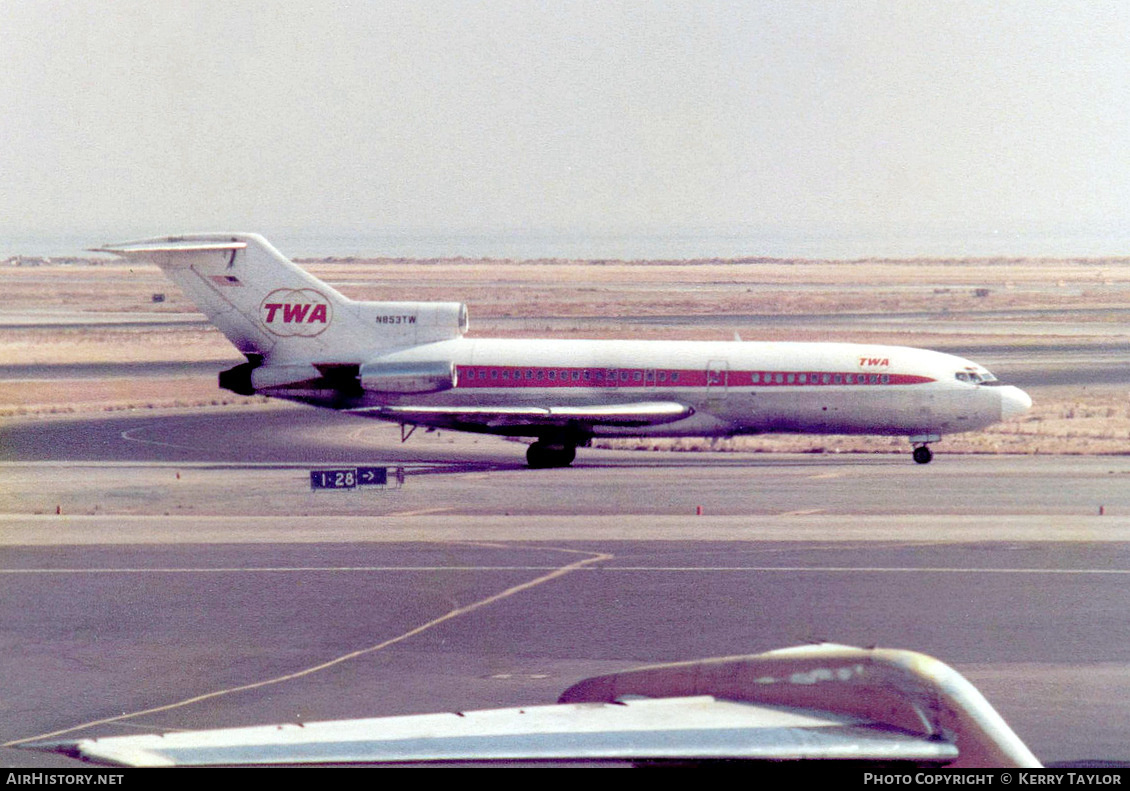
(274, 311)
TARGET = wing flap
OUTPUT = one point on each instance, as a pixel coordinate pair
(646, 413)
(695, 728)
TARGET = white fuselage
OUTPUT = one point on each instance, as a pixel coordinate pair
(411, 363)
(733, 387)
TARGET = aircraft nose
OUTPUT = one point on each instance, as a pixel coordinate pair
(1014, 401)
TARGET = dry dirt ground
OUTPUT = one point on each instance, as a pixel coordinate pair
(708, 300)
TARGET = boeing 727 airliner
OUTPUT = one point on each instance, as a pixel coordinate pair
(409, 363)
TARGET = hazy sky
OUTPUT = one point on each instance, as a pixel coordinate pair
(901, 118)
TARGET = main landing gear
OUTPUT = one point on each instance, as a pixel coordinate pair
(542, 455)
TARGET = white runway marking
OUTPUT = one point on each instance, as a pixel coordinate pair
(603, 570)
(593, 557)
(423, 511)
(270, 569)
(866, 569)
(126, 436)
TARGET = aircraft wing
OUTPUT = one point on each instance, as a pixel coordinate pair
(674, 729)
(644, 413)
(828, 702)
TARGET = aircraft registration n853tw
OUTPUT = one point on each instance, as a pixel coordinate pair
(409, 363)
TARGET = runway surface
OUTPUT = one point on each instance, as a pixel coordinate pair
(189, 559)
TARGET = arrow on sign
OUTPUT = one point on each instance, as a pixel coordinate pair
(372, 476)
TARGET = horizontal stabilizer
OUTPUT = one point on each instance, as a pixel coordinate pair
(168, 245)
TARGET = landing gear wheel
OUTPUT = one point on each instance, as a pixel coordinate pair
(540, 456)
(566, 455)
(923, 455)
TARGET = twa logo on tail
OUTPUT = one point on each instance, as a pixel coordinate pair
(288, 312)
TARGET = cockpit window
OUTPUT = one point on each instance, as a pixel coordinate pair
(977, 378)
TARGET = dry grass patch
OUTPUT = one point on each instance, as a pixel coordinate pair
(51, 346)
(67, 396)
(504, 287)
(1062, 421)
(588, 299)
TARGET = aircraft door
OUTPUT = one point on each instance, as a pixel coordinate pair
(717, 380)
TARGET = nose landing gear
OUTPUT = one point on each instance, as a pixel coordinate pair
(921, 442)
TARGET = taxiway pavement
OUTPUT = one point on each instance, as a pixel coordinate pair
(191, 562)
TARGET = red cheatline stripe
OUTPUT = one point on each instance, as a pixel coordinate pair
(496, 376)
